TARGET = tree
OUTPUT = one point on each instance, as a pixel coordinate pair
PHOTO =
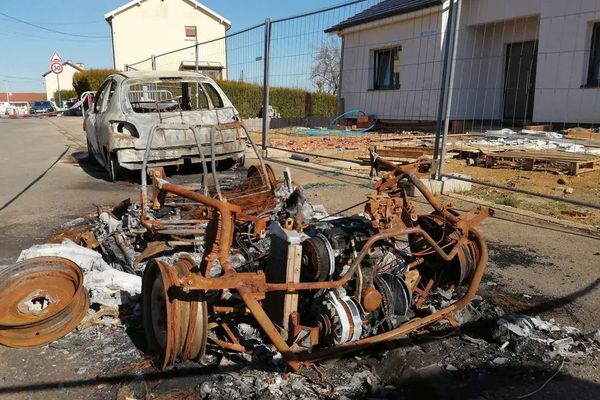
(325, 74)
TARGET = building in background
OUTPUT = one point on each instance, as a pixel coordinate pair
(524, 61)
(18, 102)
(66, 78)
(141, 29)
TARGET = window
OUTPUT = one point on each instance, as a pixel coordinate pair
(215, 98)
(105, 91)
(386, 69)
(190, 32)
(594, 68)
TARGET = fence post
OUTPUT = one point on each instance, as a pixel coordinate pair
(455, 29)
(153, 63)
(266, 61)
(442, 98)
(126, 67)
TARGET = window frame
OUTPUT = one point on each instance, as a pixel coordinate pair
(376, 70)
(185, 30)
(100, 99)
(593, 78)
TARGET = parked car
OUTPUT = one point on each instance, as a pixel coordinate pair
(41, 107)
(70, 110)
(128, 106)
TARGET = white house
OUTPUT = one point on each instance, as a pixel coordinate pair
(516, 60)
(141, 29)
(66, 78)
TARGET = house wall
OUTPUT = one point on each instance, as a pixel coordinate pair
(563, 59)
(156, 26)
(563, 30)
(480, 66)
(420, 62)
(66, 81)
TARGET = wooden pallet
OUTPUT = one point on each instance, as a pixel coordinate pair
(575, 163)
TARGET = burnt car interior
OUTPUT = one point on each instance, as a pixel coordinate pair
(172, 94)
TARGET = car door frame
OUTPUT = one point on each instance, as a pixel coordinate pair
(90, 123)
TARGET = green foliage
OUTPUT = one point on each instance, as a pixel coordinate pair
(324, 104)
(65, 95)
(510, 200)
(246, 97)
(289, 102)
(90, 79)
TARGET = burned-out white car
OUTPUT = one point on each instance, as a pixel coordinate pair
(173, 113)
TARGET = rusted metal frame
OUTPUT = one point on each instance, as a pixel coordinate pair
(226, 345)
(292, 287)
(225, 210)
(202, 160)
(213, 163)
(414, 324)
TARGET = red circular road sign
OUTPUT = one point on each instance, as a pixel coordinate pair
(56, 67)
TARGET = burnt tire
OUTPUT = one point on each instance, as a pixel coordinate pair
(115, 171)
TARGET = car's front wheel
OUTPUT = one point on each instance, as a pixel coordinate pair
(115, 171)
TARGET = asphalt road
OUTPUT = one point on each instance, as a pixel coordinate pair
(46, 181)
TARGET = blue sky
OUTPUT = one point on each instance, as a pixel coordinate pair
(26, 50)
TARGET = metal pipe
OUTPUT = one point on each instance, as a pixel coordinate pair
(315, 155)
(418, 322)
(213, 163)
(523, 191)
(202, 160)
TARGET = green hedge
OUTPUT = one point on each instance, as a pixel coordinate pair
(90, 79)
(324, 104)
(65, 95)
(288, 102)
(246, 97)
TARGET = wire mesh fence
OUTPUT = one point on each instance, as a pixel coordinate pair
(486, 90)
(525, 90)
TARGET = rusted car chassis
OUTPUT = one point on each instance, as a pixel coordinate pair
(358, 302)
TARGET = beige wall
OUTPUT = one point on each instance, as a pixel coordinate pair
(420, 62)
(563, 30)
(156, 26)
(66, 81)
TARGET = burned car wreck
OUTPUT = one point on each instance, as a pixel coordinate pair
(259, 253)
(242, 249)
(180, 106)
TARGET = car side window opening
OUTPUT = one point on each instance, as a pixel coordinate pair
(111, 92)
(102, 94)
(215, 98)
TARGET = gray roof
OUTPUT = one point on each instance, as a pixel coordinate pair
(384, 9)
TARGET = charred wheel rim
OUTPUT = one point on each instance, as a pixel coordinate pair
(175, 322)
(43, 299)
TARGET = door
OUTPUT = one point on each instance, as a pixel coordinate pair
(519, 81)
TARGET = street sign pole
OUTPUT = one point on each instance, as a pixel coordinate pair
(56, 67)
(59, 94)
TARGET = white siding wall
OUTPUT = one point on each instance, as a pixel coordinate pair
(157, 26)
(480, 65)
(562, 27)
(563, 59)
(420, 61)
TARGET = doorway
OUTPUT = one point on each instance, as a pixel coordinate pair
(519, 81)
